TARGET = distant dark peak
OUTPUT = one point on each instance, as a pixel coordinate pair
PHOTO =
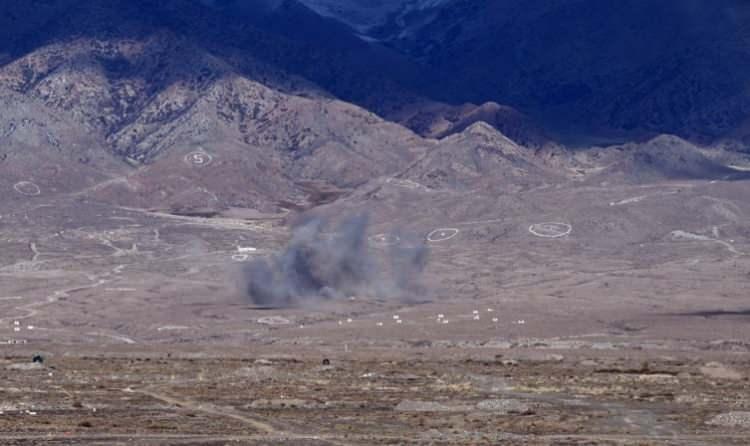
(246, 6)
(602, 67)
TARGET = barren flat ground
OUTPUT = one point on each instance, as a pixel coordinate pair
(556, 316)
(410, 396)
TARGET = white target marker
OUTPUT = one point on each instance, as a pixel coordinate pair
(384, 239)
(550, 229)
(27, 188)
(274, 320)
(442, 234)
(198, 158)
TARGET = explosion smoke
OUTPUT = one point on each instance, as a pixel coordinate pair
(317, 265)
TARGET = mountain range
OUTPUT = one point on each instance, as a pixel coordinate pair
(215, 104)
(584, 67)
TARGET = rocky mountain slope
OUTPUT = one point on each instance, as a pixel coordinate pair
(163, 104)
(190, 105)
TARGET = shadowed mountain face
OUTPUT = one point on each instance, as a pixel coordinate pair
(587, 67)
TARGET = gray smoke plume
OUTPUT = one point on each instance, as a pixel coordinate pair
(320, 265)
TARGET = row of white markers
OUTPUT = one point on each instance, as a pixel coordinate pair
(17, 326)
(441, 319)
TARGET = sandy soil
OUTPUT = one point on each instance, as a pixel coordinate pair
(622, 324)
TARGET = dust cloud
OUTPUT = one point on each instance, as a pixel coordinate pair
(317, 264)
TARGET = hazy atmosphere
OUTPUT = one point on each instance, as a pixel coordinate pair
(412, 222)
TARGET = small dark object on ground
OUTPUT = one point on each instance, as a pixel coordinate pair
(37, 358)
(326, 361)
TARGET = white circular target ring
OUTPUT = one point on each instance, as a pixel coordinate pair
(27, 188)
(385, 239)
(550, 229)
(198, 158)
(442, 234)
